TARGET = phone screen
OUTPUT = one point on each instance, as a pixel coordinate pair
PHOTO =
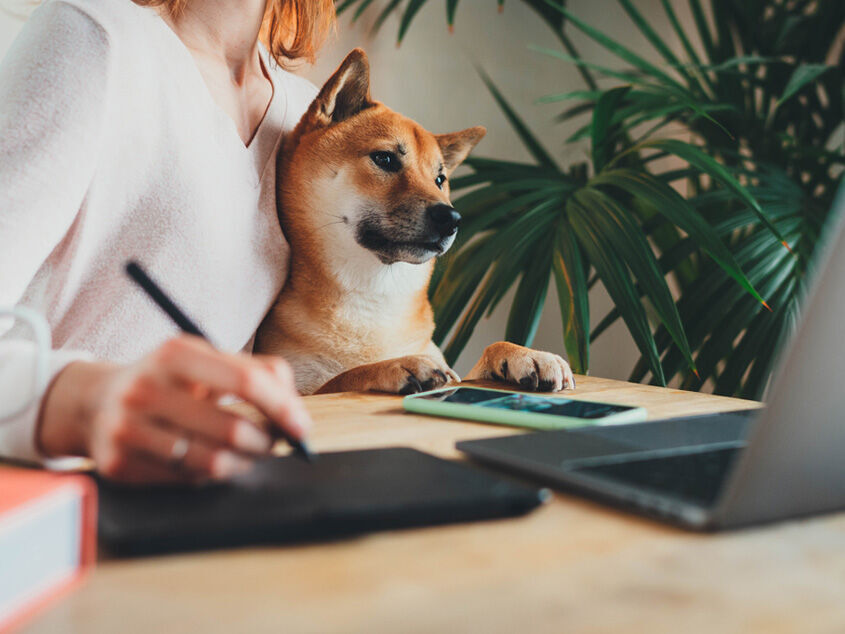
(527, 403)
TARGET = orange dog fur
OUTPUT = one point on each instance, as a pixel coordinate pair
(364, 202)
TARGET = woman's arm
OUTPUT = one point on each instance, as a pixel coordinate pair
(54, 84)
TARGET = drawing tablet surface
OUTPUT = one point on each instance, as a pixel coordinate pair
(286, 499)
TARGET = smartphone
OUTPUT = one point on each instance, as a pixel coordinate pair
(519, 409)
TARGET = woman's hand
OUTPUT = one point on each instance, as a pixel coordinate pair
(157, 420)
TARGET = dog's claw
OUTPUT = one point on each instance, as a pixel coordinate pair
(412, 385)
(530, 382)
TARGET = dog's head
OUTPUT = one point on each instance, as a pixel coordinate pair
(363, 177)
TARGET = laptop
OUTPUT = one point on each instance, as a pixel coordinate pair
(726, 470)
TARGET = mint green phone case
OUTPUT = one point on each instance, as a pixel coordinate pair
(513, 418)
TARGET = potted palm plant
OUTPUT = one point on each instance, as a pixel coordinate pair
(758, 88)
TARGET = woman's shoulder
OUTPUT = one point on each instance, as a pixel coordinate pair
(298, 91)
(117, 18)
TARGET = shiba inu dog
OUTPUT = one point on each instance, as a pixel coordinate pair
(363, 196)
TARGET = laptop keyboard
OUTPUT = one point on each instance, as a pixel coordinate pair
(695, 477)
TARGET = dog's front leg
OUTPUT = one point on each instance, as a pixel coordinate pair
(530, 369)
(403, 375)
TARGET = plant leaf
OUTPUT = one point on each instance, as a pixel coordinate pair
(740, 60)
(410, 12)
(617, 49)
(682, 35)
(678, 211)
(709, 166)
(548, 12)
(482, 221)
(621, 75)
(554, 19)
(573, 297)
(451, 8)
(528, 139)
(658, 43)
(601, 128)
(515, 243)
(703, 29)
(590, 95)
(343, 6)
(360, 10)
(626, 238)
(527, 306)
(802, 76)
(390, 8)
(450, 293)
(616, 279)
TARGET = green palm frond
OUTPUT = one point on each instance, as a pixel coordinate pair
(766, 77)
(529, 222)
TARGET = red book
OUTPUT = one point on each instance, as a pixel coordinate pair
(48, 538)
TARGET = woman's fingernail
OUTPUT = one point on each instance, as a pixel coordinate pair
(302, 420)
(248, 437)
(227, 464)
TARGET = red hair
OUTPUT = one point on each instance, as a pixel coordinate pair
(292, 29)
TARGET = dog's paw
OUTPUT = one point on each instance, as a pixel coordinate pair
(530, 369)
(409, 375)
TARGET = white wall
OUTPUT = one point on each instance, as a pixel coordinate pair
(432, 79)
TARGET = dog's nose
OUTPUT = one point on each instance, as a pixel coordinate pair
(445, 219)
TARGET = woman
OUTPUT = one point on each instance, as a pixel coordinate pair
(148, 130)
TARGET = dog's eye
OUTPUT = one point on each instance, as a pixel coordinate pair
(387, 161)
(440, 180)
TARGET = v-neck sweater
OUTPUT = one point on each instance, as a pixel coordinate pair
(111, 148)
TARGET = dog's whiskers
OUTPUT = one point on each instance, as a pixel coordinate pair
(340, 220)
(336, 222)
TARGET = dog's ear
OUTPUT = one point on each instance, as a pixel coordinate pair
(347, 92)
(457, 145)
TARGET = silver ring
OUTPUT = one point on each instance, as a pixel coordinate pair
(179, 451)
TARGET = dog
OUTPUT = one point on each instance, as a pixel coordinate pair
(363, 196)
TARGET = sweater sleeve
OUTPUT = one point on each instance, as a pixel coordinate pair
(53, 100)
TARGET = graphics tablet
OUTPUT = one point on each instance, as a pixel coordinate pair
(286, 499)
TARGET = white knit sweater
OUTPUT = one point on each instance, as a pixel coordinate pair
(111, 147)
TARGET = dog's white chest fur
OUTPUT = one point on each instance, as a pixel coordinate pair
(364, 325)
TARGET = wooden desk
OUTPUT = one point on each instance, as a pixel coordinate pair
(572, 566)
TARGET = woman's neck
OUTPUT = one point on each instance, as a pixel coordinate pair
(223, 31)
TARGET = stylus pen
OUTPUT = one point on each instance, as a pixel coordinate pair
(140, 277)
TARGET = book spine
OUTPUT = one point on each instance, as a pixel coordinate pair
(87, 490)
